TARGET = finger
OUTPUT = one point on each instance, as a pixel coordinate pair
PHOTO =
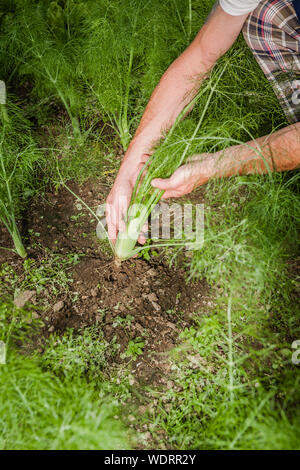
(123, 215)
(112, 231)
(142, 239)
(162, 184)
(168, 194)
(145, 158)
(111, 225)
(122, 225)
(144, 234)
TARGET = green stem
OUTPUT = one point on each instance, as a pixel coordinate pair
(4, 114)
(179, 17)
(190, 19)
(73, 119)
(18, 243)
(10, 216)
(124, 127)
(230, 350)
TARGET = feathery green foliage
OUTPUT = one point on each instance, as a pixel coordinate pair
(39, 411)
(222, 396)
(41, 45)
(117, 40)
(18, 159)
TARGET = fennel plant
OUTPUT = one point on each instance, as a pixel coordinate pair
(18, 157)
(162, 163)
(118, 39)
(45, 51)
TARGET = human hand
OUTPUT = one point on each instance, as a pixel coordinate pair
(119, 197)
(197, 171)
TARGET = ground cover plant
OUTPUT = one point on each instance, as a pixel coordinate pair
(174, 349)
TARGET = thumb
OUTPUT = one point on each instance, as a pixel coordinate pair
(160, 183)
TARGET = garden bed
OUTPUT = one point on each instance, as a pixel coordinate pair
(141, 306)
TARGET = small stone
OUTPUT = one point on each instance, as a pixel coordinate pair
(94, 292)
(152, 297)
(139, 327)
(156, 306)
(24, 297)
(171, 325)
(58, 306)
(51, 329)
(151, 272)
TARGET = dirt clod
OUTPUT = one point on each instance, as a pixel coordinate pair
(24, 297)
(58, 306)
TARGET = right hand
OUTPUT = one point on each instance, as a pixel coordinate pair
(119, 197)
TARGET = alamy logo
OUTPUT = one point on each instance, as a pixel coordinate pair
(2, 352)
(167, 222)
(296, 354)
(2, 92)
(296, 94)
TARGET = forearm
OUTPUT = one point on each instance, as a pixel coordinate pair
(181, 81)
(277, 152)
(176, 89)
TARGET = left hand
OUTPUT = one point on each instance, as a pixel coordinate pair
(197, 171)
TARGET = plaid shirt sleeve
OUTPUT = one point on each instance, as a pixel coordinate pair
(272, 32)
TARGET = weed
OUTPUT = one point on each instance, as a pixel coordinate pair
(50, 272)
(77, 354)
(120, 321)
(134, 349)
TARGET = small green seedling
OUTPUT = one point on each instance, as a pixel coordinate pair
(134, 349)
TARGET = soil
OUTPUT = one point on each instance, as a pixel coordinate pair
(142, 300)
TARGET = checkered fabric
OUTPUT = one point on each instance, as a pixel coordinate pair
(272, 31)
